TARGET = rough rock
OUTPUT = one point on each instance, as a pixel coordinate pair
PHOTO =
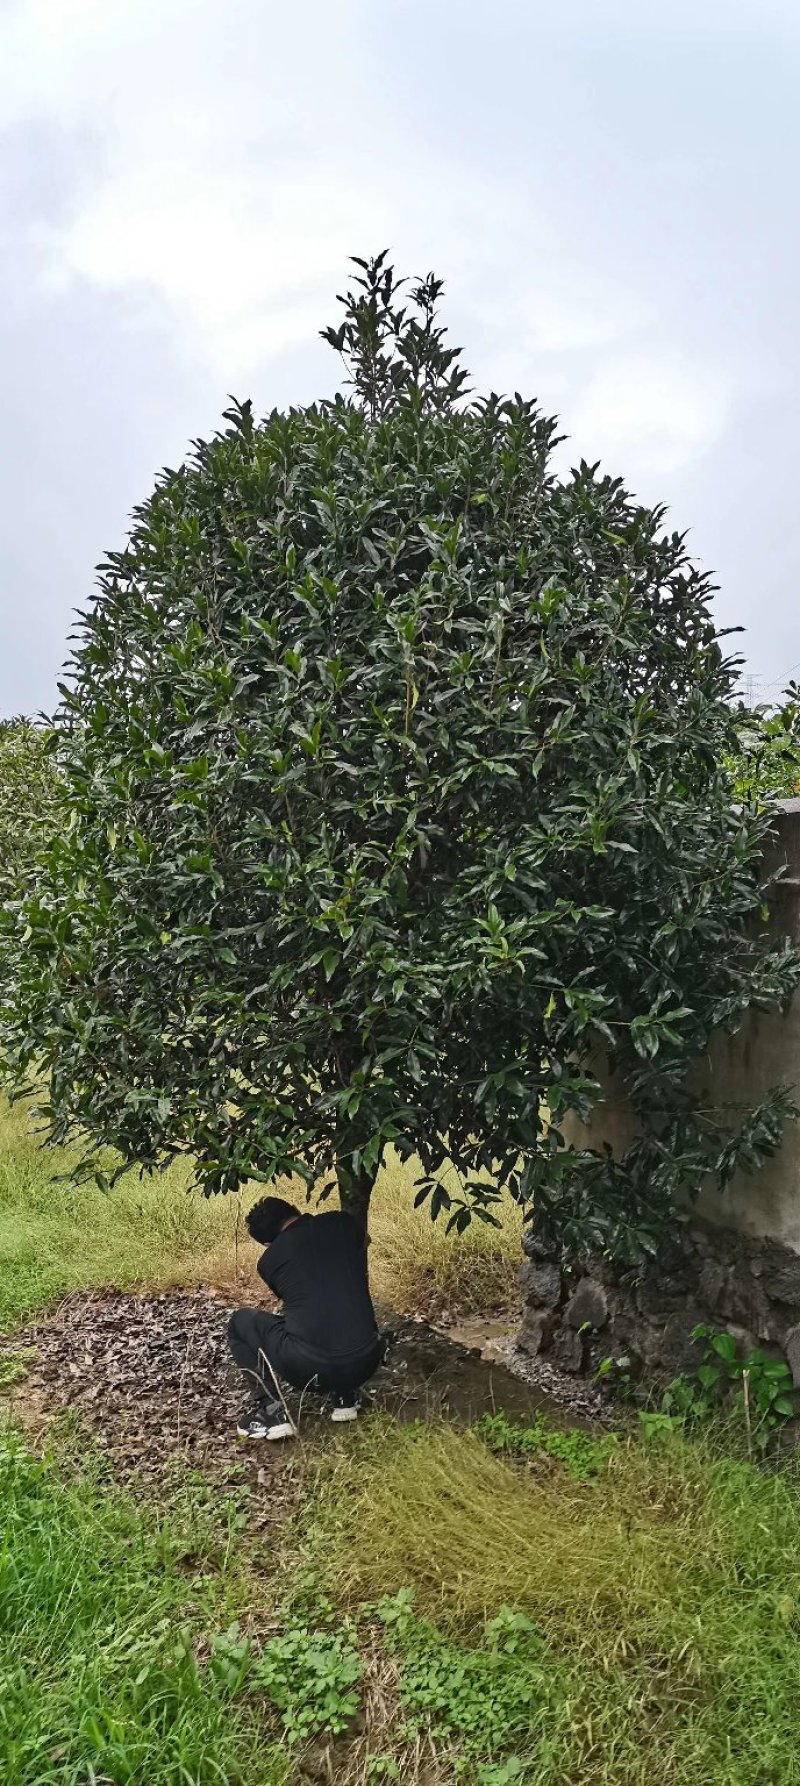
(791, 1346)
(568, 1349)
(744, 1303)
(535, 1332)
(540, 1283)
(782, 1283)
(587, 1306)
(709, 1276)
(712, 1284)
(679, 1352)
(535, 1248)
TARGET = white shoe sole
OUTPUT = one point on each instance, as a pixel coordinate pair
(284, 1431)
(339, 1415)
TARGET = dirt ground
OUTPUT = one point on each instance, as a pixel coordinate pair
(152, 1377)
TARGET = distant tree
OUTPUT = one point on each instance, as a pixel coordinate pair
(766, 764)
(396, 787)
(28, 784)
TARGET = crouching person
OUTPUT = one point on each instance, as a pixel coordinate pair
(327, 1338)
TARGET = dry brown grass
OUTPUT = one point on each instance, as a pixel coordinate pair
(56, 1237)
(417, 1267)
(668, 1588)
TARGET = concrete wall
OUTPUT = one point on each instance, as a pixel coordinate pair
(765, 1051)
(740, 1069)
(736, 1261)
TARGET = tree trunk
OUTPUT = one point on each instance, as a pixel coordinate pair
(355, 1190)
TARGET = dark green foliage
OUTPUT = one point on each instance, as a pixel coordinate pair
(28, 787)
(756, 1387)
(487, 1699)
(396, 789)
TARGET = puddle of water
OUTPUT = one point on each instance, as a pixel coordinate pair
(490, 1335)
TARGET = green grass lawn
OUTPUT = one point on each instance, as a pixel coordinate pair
(625, 1613)
(434, 1614)
(663, 1593)
(59, 1236)
(108, 1611)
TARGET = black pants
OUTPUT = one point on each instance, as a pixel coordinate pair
(254, 1336)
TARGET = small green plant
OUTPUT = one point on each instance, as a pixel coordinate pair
(501, 1773)
(689, 1397)
(14, 1366)
(758, 1386)
(229, 1662)
(383, 1767)
(311, 1674)
(581, 1455)
(484, 1699)
(616, 1375)
(763, 1383)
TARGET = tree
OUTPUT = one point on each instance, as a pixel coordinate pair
(396, 789)
(766, 765)
(28, 792)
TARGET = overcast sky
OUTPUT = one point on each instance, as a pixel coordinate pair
(609, 188)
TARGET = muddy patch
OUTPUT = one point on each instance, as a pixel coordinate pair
(494, 1337)
(152, 1378)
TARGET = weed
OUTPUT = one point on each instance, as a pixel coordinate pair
(617, 1376)
(484, 1698)
(582, 1455)
(765, 1384)
(312, 1676)
(666, 1590)
(758, 1389)
(14, 1366)
(502, 1773)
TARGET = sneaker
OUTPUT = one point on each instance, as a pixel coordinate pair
(265, 1420)
(345, 1407)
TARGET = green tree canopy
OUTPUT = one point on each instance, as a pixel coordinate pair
(28, 788)
(396, 784)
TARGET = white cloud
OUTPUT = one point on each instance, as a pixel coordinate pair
(648, 414)
(242, 153)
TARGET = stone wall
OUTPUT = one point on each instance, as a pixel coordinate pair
(580, 1314)
(736, 1261)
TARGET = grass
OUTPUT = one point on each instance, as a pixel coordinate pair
(56, 1237)
(508, 1604)
(416, 1266)
(107, 1616)
(497, 1621)
(665, 1591)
